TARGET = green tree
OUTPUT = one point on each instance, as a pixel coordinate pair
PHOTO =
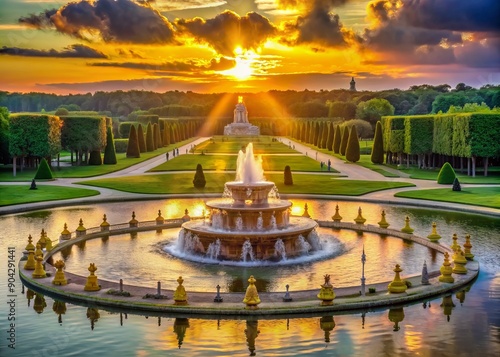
(345, 138)
(363, 127)
(199, 177)
(352, 153)
(109, 151)
(377, 156)
(34, 135)
(344, 110)
(133, 144)
(374, 109)
(288, 180)
(337, 140)
(44, 172)
(150, 144)
(83, 134)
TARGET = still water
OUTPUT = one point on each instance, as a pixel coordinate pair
(45, 328)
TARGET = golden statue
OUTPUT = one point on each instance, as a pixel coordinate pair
(251, 296)
(180, 296)
(326, 294)
(92, 284)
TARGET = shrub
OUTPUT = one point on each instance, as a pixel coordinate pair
(43, 172)
(352, 150)
(288, 176)
(133, 145)
(446, 174)
(337, 140)
(141, 139)
(378, 145)
(363, 128)
(150, 144)
(121, 145)
(456, 185)
(109, 151)
(61, 111)
(95, 157)
(408, 283)
(199, 177)
(343, 142)
(372, 290)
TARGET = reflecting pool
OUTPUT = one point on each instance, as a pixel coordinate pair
(430, 328)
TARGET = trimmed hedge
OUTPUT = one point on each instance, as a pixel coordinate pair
(95, 158)
(337, 140)
(288, 180)
(377, 156)
(124, 128)
(148, 118)
(352, 151)
(121, 145)
(199, 177)
(109, 151)
(43, 172)
(150, 144)
(141, 139)
(345, 139)
(446, 175)
(133, 144)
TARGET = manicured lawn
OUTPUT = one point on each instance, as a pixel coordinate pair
(87, 170)
(182, 183)
(17, 194)
(261, 145)
(492, 178)
(365, 161)
(478, 196)
(228, 163)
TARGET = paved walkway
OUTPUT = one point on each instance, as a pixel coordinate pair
(346, 170)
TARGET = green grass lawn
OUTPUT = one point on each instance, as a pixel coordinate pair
(182, 183)
(264, 145)
(478, 196)
(17, 194)
(492, 178)
(86, 170)
(228, 163)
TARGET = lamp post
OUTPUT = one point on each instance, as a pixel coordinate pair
(363, 261)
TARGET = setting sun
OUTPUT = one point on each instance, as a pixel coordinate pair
(244, 68)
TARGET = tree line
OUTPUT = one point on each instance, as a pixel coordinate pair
(419, 99)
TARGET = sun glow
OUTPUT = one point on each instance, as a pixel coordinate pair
(244, 67)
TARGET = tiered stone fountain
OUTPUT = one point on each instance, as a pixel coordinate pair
(250, 222)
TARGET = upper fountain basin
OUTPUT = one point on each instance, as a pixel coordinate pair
(256, 192)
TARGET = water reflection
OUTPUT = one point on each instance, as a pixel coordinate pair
(447, 305)
(122, 333)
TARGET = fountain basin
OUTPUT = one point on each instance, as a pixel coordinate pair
(197, 236)
(255, 192)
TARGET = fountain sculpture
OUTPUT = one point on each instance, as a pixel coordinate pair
(250, 222)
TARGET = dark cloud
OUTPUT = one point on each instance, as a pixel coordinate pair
(39, 21)
(228, 30)
(73, 51)
(431, 31)
(174, 66)
(454, 15)
(320, 27)
(121, 21)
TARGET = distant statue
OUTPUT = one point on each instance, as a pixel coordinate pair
(352, 86)
(240, 112)
(33, 185)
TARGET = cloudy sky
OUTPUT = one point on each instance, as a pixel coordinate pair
(246, 45)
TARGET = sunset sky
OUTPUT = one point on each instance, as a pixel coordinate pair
(246, 46)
